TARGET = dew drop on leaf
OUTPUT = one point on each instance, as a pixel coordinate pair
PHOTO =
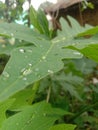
(26, 71)
(22, 50)
(12, 34)
(30, 64)
(25, 78)
(77, 53)
(6, 74)
(50, 71)
(43, 57)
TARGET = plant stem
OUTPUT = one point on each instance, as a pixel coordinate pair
(48, 94)
(34, 91)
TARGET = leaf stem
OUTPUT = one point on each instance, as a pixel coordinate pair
(34, 91)
(48, 94)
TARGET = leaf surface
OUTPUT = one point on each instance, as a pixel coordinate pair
(63, 127)
(3, 108)
(19, 32)
(40, 116)
(28, 65)
(32, 63)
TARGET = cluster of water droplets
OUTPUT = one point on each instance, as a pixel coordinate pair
(27, 71)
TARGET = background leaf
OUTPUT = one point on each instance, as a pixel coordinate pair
(40, 116)
(20, 32)
(3, 108)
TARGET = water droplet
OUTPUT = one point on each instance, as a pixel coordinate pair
(12, 34)
(43, 57)
(5, 74)
(12, 41)
(27, 71)
(64, 38)
(77, 53)
(30, 64)
(50, 71)
(25, 78)
(22, 50)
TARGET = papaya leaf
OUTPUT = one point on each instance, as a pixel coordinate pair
(69, 35)
(91, 52)
(89, 32)
(21, 99)
(40, 116)
(30, 64)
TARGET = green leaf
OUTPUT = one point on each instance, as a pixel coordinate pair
(68, 35)
(39, 21)
(89, 32)
(34, 19)
(19, 32)
(70, 83)
(21, 98)
(3, 108)
(91, 52)
(43, 23)
(40, 116)
(63, 127)
(28, 65)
